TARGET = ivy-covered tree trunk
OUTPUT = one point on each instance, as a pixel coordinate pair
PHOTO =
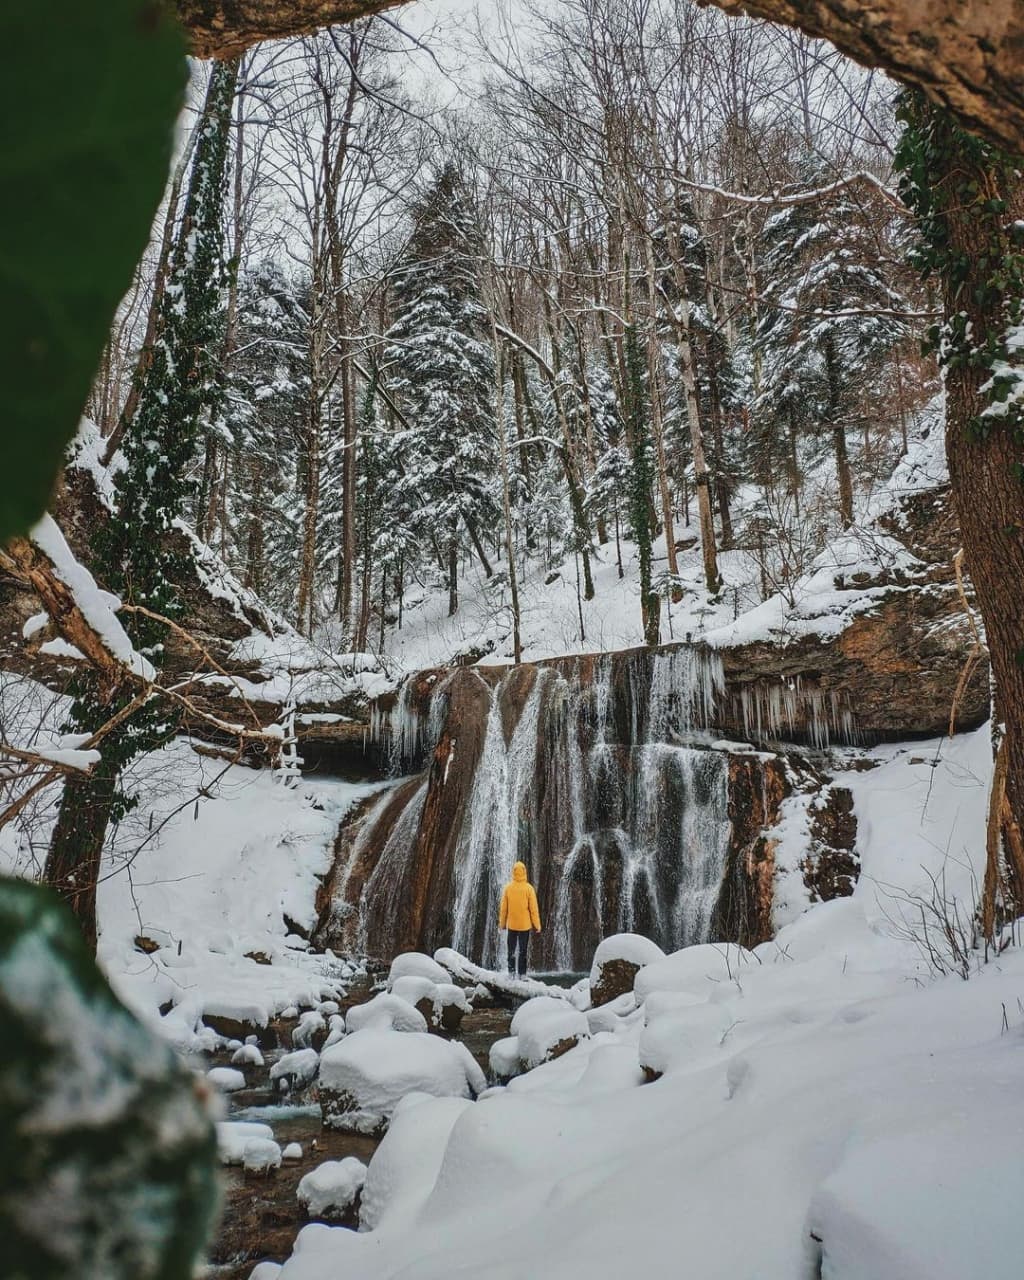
(76, 848)
(969, 198)
(182, 394)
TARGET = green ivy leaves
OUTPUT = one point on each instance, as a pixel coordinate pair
(106, 1147)
(88, 99)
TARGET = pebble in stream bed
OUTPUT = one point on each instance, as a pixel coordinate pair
(262, 1213)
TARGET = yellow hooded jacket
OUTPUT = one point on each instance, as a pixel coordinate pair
(519, 908)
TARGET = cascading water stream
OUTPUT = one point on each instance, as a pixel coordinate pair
(617, 834)
(490, 843)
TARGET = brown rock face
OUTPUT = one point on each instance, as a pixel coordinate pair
(832, 866)
(615, 979)
(743, 913)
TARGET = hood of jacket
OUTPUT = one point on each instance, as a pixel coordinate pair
(519, 872)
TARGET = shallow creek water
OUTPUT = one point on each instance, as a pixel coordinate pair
(261, 1214)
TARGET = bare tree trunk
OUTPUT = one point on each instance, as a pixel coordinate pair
(304, 608)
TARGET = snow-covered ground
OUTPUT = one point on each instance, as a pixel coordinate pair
(214, 865)
(556, 620)
(833, 1091)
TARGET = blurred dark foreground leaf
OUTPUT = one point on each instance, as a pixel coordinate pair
(88, 100)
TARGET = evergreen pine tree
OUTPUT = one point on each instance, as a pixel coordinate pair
(824, 329)
(439, 364)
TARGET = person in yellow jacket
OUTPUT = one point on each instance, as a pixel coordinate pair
(519, 914)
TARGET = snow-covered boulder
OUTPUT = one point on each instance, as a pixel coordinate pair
(335, 1029)
(712, 967)
(363, 1078)
(617, 961)
(411, 964)
(293, 1151)
(546, 1028)
(261, 1155)
(443, 1004)
(332, 1190)
(294, 1071)
(247, 1055)
(385, 1011)
(234, 1135)
(311, 1030)
(613, 1015)
(682, 1037)
(226, 1079)
(504, 1058)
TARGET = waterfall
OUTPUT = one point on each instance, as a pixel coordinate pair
(490, 845)
(619, 831)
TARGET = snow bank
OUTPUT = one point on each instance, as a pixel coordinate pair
(404, 1167)
(332, 1188)
(261, 1155)
(365, 1076)
(223, 864)
(696, 970)
(617, 961)
(633, 948)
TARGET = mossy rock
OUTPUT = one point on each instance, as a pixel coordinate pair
(107, 1152)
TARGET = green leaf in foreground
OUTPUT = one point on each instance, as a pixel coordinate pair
(88, 99)
(106, 1150)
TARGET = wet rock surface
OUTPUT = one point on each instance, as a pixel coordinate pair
(261, 1213)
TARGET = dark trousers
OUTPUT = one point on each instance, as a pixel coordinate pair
(518, 941)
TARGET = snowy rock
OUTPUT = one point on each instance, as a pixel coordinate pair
(328, 1007)
(234, 1135)
(612, 1015)
(504, 1058)
(363, 1078)
(261, 1155)
(332, 1190)
(296, 1070)
(698, 970)
(442, 1004)
(385, 1011)
(293, 1151)
(226, 1079)
(247, 1055)
(411, 964)
(546, 1028)
(335, 1029)
(617, 961)
(311, 1028)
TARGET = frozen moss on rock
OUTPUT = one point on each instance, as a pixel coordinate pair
(106, 1149)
